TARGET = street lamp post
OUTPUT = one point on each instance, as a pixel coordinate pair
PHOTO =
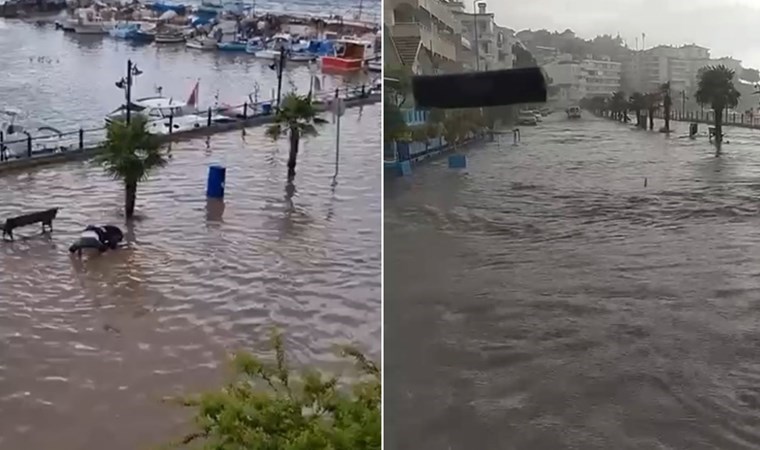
(279, 67)
(477, 44)
(126, 85)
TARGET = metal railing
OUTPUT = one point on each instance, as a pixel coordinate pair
(52, 143)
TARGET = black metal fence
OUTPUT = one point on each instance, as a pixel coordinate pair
(52, 142)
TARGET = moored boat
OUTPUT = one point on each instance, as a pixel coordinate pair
(202, 43)
(349, 56)
(171, 37)
(232, 46)
(254, 45)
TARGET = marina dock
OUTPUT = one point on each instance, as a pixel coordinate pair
(83, 143)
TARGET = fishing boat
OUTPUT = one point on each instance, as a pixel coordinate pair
(279, 42)
(143, 35)
(254, 45)
(232, 46)
(170, 37)
(88, 21)
(375, 65)
(202, 43)
(14, 140)
(350, 55)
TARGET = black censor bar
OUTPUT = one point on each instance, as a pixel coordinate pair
(479, 89)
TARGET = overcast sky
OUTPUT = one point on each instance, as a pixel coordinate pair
(727, 27)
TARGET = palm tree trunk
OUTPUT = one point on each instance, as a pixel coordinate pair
(651, 119)
(718, 130)
(638, 118)
(295, 137)
(130, 196)
(667, 119)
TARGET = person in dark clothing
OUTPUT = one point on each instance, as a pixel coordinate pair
(101, 238)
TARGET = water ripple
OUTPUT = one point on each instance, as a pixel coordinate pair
(546, 298)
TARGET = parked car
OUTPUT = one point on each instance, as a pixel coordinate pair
(527, 118)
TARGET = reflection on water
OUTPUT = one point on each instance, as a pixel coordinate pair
(546, 299)
(90, 346)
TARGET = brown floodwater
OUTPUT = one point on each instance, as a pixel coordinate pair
(88, 348)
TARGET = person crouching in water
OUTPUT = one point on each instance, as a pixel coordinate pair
(100, 238)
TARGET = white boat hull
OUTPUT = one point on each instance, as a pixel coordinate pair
(201, 45)
(90, 29)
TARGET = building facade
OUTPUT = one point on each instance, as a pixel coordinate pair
(575, 79)
(647, 70)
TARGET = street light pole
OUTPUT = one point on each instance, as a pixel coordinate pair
(279, 75)
(129, 90)
(126, 85)
(477, 44)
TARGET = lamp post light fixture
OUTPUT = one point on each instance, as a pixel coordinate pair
(126, 85)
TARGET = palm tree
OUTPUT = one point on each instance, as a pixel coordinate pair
(667, 102)
(619, 106)
(716, 88)
(296, 118)
(637, 103)
(130, 154)
(652, 102)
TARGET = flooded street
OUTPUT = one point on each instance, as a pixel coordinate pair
(90, 347)
(546, 298)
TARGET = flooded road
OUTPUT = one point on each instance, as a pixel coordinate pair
(88, 348)
(546, 299)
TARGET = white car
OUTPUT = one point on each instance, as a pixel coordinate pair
(527, 118)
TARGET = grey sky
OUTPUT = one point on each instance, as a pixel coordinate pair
(727, 27)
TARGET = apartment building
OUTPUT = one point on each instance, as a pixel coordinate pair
(424, 34)
(494, 42)
(577, 79)
(646, 70)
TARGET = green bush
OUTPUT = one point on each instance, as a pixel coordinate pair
(265, 407)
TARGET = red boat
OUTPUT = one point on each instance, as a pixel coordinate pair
(350, 55)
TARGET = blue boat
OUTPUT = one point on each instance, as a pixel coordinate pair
(163, 6)
(233, 46)
(142, 36)
(255, 45)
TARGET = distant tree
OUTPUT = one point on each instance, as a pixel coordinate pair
(751, 75)
(394, 126)
(667, 103)
(652, 102)
(637, 103)
(400, 88)
(716, 88)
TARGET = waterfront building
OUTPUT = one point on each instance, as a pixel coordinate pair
(575, 79)
(646, 70)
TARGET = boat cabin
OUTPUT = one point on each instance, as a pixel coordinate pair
(154, 108)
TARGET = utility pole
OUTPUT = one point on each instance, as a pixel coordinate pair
(683, 101)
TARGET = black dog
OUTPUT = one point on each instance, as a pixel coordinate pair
(101, 238)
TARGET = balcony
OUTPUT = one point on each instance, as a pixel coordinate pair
(440, 11)
(438, 43)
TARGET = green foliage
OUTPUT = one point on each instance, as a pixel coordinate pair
(394, 126)
(637, 101)
(716, 88)
(268, 407)
(398, 85)
(130, 153)
(296, 115)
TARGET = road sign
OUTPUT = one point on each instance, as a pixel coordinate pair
(338, 106)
